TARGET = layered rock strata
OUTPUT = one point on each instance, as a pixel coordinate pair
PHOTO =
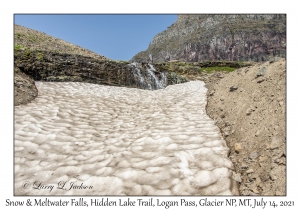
(194, 38)
(60, 67)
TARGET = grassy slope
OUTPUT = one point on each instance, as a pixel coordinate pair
(35, 40)
(31, 40)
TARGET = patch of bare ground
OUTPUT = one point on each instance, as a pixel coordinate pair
(24, 88)
(249, 107)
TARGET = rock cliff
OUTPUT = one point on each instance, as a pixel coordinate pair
(194, 38)
(61, 67)
(40, 57)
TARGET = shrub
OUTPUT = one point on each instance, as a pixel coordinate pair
(17, 47)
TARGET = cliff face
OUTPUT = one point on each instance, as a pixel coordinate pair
(194, 38)
(40, 57)
(60, 67)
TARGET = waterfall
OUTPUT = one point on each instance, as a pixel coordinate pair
(139, 79)
(149, 79)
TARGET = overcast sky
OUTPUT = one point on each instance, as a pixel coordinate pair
(118, 37)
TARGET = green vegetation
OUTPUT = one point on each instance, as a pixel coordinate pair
(18, 47)
(192, 70)
(38, 41)
(217, 68)
(32, 40)
(204, 67)
(18, 35)
(120, 61)
(27, 53)
(40, 56)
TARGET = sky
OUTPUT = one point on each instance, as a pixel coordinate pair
(118, 37)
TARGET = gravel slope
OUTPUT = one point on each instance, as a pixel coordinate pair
(249, 106)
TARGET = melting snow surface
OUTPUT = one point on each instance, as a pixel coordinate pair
(88, 139)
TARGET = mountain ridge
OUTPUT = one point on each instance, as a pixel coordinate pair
(201, 37)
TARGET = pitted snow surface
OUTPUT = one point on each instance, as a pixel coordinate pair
(119, 141)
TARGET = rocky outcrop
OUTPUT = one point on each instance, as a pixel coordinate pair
(24, 88)
(194, 38)
(60, 67)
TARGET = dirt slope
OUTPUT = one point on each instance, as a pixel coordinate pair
(249, 106)
(24, 88)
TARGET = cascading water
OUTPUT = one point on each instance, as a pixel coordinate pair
(139, 79)
(157, 83)
(148, 79)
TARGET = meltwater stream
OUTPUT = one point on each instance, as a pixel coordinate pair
(88, 139)
(148, 79)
